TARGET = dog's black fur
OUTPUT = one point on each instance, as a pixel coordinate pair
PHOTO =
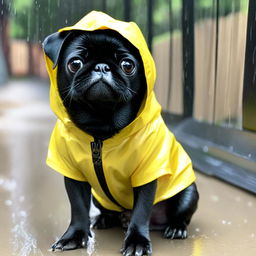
(101, 98)
(102, 84)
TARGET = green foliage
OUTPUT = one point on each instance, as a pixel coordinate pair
(34, 19)
(20, 4)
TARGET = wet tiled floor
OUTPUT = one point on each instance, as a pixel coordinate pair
(34, 209)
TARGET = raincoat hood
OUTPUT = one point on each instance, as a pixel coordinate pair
(141, 152)
(129, 30)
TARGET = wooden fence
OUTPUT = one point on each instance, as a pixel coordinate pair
(219, 70)
(26, 59)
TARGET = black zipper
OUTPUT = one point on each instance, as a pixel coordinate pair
(96, 147)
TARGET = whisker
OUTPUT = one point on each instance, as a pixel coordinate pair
(68, 95)
(71, 88)
(131, 90)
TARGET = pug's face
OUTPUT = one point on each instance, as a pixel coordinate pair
(100, 70)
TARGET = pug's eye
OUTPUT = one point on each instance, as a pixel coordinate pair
(74, 65)
(127, 66)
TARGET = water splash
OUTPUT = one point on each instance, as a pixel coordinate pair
(23, 242)
(91, 244)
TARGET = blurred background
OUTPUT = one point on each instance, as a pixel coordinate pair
(206, 83)
(219, 32)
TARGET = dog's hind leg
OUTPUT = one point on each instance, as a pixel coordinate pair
(180, 209)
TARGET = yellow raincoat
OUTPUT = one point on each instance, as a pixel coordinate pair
(141, 152)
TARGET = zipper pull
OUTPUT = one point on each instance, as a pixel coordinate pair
(96, 147)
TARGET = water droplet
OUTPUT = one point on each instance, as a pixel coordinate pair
(197, 229)
(245, 221)
(214, 198)
(22, 214)
(8, 184)
(250, 155)
(21, 199)
(8, 202)
(205, 149)
(238, 198)
(250, 204)
(224, 222)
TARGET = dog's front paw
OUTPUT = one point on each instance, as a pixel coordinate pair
(137, 242)
(74, 238)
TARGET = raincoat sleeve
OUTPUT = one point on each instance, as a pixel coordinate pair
(59, 156)
(165, 160)
(155, 160)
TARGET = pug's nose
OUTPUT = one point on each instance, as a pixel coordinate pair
(102, 68)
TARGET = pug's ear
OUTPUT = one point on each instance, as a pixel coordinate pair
(52, 45)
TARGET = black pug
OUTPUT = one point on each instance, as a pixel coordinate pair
(102, 85)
